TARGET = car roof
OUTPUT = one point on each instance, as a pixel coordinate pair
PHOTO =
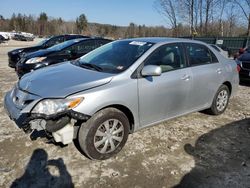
(82, 39)
(163, 40)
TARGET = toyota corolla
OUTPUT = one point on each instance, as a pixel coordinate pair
(120, 88)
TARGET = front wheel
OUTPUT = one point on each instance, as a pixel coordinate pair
(104, 134)
(220, 101)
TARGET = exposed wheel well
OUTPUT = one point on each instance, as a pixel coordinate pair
(127, 112)
(228, 84)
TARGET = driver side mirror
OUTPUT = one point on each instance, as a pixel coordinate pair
(151, 70)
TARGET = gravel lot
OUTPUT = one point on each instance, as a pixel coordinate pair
(196, 150)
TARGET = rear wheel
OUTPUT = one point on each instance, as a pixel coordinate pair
(220, 101)
(104, 134)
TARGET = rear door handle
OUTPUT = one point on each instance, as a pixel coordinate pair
(185, 77)
(219, 71)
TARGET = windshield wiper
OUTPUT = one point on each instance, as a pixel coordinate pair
(89, 65)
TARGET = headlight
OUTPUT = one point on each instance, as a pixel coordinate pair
(17, 51)
(53, 106)
(35, 60)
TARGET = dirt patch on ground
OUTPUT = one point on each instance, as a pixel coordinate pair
(196, 150)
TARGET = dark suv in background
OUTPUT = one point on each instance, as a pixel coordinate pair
(66, 51)
(15, 55)
(244, 62)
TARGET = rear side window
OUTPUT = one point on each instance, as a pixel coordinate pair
(168, 57)
(198, 54)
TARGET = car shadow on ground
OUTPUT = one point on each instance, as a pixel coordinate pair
(37, 172)
(222, 158)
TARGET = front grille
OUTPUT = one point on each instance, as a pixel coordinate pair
(246, 65)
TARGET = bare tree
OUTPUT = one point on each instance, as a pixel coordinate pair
(169, 8)
(189, 8)
(200, 7)
(222, 6)
(231, 19)
(245, 7)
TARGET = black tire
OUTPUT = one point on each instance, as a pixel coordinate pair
(214, 109)
(88, 130)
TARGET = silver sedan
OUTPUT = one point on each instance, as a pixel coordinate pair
(120, 88)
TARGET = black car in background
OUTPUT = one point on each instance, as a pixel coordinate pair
(1, 38)
(244, 62)
(65, 51)
(15, 55)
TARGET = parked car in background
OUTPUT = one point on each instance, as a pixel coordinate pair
(1, 38)
(15, 55)
(19, 37)
(219, 49)
(69, 50)
(243, 62)
(120, 88)
(5, 35)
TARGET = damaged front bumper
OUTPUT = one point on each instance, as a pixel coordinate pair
(18, 105)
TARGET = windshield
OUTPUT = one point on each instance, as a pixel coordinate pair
(115, 57)
(61, 46)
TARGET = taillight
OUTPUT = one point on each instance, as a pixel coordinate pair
(238, 68)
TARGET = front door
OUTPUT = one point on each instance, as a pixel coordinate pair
(164, 96)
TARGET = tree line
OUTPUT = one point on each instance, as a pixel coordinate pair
(183, 18)
(206, 17)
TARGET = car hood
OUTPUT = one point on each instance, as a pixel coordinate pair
(27, 49)
(39, 53)
(61, 80)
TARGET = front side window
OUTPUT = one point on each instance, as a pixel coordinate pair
(115, 57)
(168, 57)
(198, 54)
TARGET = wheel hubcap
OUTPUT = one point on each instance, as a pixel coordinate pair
(222, 99)
(108, 136)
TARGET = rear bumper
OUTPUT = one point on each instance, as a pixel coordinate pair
(244, 75)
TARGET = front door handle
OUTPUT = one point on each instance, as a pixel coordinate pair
(219, 71)
(185, 77)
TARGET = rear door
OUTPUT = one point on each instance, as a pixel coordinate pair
(206, 74)
(164, 96)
